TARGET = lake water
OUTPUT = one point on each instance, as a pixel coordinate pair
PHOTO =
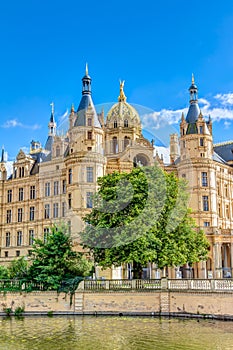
(114, 333)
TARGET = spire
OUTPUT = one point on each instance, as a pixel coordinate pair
(3, 157)
(86, 90)
(52, 124)
(193, 91)
(122, 97)
(52, 113)
(72, 109)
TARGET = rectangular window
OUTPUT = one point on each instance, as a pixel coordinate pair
(17, 253)
(227, 212)
(47, 189)
(32, 192)
(55, 210)
(201, 129)
(56, 188)
(69, 201)
(19, 238)
(205, 201)
(6, 254)
(204, 180)
(89, 122)
(46, 211)
(89, 174)
(32, 214)
(63, 210)
(206, 223)
(8, 216)
(89, 199)
(46, 233)
(20, 214)
(9, 196)
(8, 239)
(89, 135)
(70, 176)
(31, 237)
(63, 186)
(21, 194)
(201, 141)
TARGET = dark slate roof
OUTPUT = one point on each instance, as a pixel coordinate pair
(35, 169)
(218, 159)
(85, 102)
(193, 113)
(192, 129)
(49, 143)
(225, 151)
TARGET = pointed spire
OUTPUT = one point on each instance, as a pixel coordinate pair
(2, 157)
(193, 79)
(182, 116)
(52, 113)
(122, 97)
(72, 109)
(86, 82)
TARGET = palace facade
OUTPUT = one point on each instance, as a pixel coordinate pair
(55, 183)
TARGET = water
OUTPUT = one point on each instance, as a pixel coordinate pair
(114, 333)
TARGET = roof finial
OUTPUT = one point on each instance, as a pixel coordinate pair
(86, 68)
(72, 108)
(52, 107)
(122, 97)
(193, 79)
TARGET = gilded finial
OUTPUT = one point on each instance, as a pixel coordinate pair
(122, 97)
(86, 69)
(193, 79)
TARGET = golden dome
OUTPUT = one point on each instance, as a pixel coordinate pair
(123, 111)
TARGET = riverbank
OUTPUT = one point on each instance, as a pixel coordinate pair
(173, 298)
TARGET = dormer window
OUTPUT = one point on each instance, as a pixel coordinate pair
(115, 124)
(89, 122)
(126, 124)
(201, 129)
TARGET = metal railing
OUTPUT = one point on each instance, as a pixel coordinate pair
(15, 285)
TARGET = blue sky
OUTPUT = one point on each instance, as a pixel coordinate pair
(154, 46)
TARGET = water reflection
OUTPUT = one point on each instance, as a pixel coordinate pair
(115, 333)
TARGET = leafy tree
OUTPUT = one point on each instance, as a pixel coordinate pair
(54, 260)
(4, 272)
(143, 217)
(18, 268)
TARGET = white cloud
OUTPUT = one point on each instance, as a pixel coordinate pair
(219, 107)
(225, 99)
(13, 123)
(226, 124)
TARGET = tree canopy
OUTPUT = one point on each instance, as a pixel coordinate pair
(54, 260)
(143, 217)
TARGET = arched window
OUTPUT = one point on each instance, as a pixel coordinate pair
(115, 145)
(115, 124)
(126, 124)
(126, 141)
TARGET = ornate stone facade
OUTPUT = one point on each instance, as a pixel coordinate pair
(55, 183)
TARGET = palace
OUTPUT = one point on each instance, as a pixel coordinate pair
(55, 183)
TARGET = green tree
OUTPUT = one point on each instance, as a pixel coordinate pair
(18, 268)
(143, 217)
(55, 260)
(4, 272)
